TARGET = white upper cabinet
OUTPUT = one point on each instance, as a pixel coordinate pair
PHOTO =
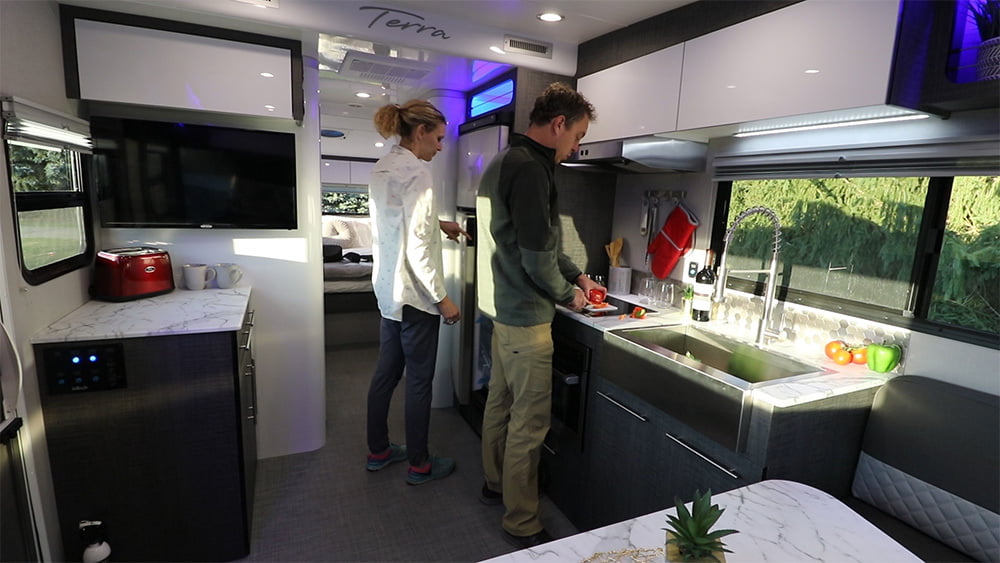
(654, 79)
(345, 171)
(153, 67)
(819, 55)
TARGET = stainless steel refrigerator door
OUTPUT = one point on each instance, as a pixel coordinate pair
(475, 151)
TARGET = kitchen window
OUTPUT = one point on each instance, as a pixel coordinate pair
(345, 199)
(915, 251)
(47, 156)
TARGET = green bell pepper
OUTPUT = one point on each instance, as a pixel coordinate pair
(883, 358)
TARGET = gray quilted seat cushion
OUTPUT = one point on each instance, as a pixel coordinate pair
(953, 520)
(931, 458)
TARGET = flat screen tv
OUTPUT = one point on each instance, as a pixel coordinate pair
(180, 175)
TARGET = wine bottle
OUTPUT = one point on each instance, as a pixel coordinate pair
(704, 286)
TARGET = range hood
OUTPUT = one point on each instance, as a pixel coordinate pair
(641, 155)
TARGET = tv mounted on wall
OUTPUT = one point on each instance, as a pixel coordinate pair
(156, 174)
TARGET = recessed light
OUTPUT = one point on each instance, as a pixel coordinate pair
(379, 144)
(267, 75)
(269, 107)
(730, 86)
(550, 17)
(363, 95)
(812, 71)
(497, 50)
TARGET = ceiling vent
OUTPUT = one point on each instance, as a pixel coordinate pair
(377, 68)
(528, 47)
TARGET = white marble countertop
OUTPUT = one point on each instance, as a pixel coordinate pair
(830, 380)
(777, 521)
(178, 312)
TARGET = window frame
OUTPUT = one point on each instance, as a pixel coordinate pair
(925, 265)
(50, 200)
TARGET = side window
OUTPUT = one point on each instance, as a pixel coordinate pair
(47, 155)
(345, 199)
(871, 244)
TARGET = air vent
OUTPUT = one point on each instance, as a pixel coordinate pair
(376, 68)
(528, 47)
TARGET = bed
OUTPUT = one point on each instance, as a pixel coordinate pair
(347, 263)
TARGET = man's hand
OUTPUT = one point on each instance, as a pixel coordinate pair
(449, 311)
(579, 300)
(453, 230)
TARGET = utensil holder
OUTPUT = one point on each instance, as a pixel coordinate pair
(619, 280)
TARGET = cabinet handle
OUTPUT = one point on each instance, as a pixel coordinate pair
(252, 418)
(250, 315)
(548, 449)
(730, 472)
(622, 407)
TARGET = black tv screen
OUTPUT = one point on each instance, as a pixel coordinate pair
(180, 175)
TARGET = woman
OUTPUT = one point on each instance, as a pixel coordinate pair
(408, 284)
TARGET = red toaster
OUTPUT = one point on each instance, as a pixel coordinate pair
(123, 274)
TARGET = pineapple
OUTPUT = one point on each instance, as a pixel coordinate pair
(689, 531)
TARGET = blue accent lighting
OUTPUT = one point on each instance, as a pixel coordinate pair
(93, 358)
(492, 98)
(76, 359)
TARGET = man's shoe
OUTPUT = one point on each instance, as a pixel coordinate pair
(489, 496)
(392, 455)
(435, 468)
(524, 542)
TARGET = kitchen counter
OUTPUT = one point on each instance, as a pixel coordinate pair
(777, 521)
(178, 312)
(830, 381)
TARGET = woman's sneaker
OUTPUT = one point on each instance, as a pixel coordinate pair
(392, 455)
(434, 468)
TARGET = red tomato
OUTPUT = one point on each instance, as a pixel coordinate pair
(860, 355)
(842, 357)
(833, 347)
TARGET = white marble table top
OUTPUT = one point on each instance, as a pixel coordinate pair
(778, 521)
(178, 312)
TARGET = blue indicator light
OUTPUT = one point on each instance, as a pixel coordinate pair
(492, 98)
(93, 358)
(76, 359)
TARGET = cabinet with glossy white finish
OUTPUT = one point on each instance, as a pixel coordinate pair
(653, 78)
(762, 68)
(345, 171)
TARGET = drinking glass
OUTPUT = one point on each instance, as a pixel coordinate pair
(663, 295)
(647, 287)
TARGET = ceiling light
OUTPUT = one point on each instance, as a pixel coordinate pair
(363, 95)
(267, 75)
(269, 107)
(811, 71)
(379, 144)
(833, 125)
(497, 50)
(550, 17)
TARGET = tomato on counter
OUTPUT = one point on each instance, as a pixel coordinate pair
(859, 355)
(834, 346)
(842, 357)
(638, 313)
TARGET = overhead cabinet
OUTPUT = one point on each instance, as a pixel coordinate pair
(345, 171)
(654, 78)
(811, 57)
(123, 58)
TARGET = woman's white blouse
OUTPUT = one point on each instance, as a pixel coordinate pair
(406, 244)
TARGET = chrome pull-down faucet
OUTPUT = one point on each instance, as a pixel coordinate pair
(764, 330)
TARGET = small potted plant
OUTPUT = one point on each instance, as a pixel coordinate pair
(689, 535)
(986, 16)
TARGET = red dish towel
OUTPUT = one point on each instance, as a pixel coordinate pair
(673, 241)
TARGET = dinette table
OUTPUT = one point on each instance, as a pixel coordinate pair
(778, 521)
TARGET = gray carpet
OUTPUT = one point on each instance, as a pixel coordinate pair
(324, 505)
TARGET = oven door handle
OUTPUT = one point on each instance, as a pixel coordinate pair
(567, 378)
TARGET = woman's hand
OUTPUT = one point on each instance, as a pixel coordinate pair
(453, 230)
(449, 311)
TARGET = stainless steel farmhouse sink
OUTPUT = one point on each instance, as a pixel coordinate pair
(703, 379)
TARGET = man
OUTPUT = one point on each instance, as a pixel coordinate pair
(522, 274)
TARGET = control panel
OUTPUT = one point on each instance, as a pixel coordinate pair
(77, 367)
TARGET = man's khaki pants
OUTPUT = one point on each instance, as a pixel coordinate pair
(516, 420)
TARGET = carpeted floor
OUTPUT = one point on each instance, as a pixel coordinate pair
(324, 505)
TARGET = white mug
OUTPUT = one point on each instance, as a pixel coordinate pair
(227, 275)
(197, 276)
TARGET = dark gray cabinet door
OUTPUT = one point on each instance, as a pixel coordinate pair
(623, 477)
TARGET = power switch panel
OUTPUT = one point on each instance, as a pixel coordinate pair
(692, 269)
(78, 367)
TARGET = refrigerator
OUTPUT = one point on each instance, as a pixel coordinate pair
(16, 526)
(478, 142)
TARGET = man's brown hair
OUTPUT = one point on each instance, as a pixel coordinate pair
(559, 99)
